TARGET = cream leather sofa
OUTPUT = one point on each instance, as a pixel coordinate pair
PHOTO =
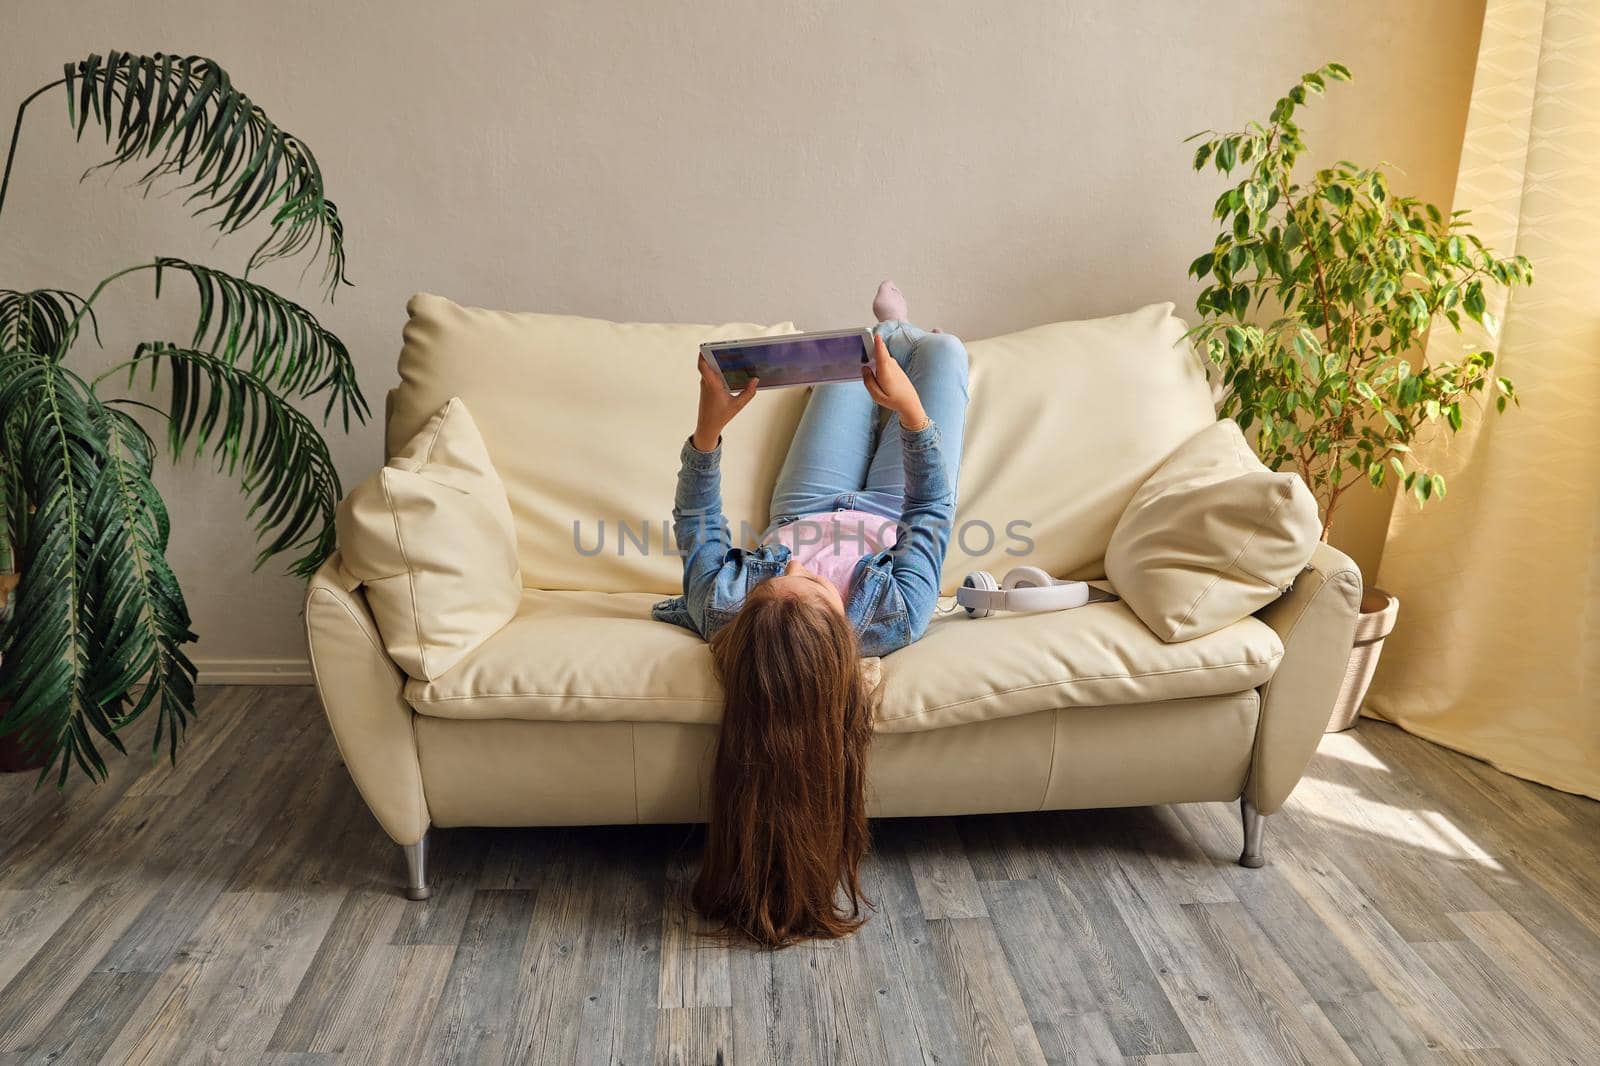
(582, 710)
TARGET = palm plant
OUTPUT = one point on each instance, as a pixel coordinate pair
(92, 635)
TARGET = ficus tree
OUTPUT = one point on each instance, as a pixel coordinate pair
(1320, 291)
(94, 630)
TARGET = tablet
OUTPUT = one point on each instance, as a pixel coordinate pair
(794, 359)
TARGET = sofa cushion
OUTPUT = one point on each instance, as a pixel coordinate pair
(430, 534)
(588, 656)
(585, 419)
(968, 670)
(1065, 422)
(1211, 537)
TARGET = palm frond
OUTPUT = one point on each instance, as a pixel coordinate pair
(46, 654)
(138, 619)
(274, 338)
(38, 320)
(285, 465)
(182, 115)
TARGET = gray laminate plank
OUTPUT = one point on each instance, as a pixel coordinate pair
(296, 824)
(824, 1008)
(90, 1019)
(1509, 1009)
(44, 984)
(849, 989)
(1498, 798)
(616, 1024)
(1065, 1013)
(989, 1009)
(226, 713)
(805, 1029)
(910, 950)
(1270, 990)
(238, 1022)
(995, 848)
(180, 998)
(944, 878)
(1125, 985)
(515, 858)
(870, 970)
(1215, 1012)
(1395, 968)
(1377, 1035)
(756, 1010)
(396, 1034)
(1365, 1019)
(473, 1020)
(1532, 854)
(28, 919)
(563, 958)
(694, 966)
(325, 1006)
(1188, 872)
(693, 1036)
(41, 836)
(1311, 950)
(205, 853)
(1532, 965)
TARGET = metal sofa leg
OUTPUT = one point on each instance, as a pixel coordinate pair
(417, 869)
(1254, 823)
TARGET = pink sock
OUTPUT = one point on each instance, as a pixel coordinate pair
(890, 303)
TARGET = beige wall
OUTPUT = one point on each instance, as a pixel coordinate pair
(1008, 163)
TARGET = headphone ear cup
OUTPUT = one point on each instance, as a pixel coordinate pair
(983, 581)
(1024, 577)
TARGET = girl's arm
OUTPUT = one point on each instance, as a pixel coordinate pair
(698, 526)
(928, 516)
(926, 522)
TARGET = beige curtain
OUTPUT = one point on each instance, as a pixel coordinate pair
(1497, 652)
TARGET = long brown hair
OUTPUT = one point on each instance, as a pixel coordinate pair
(788, 790)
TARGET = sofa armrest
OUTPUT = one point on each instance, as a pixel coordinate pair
(361, 690)
(1316, 621)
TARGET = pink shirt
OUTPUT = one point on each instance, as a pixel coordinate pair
(830, 544)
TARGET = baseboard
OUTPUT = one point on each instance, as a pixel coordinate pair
(253, 671)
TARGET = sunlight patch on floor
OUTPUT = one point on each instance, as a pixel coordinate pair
(1347, 747)
(1350, 808)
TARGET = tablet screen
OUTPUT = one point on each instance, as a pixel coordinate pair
(798, 360)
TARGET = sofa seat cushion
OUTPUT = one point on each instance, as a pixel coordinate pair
(599, 657)
(580, 656)
(969, 670)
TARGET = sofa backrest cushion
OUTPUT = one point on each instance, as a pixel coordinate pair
(432, 538)
(1065, 422)
(585, 419)
(1211, 537)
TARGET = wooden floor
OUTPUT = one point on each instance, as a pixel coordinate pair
(1417, 906)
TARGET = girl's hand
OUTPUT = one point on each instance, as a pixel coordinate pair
(717, 408)
(889, 386)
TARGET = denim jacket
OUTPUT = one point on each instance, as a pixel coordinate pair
(893, 592)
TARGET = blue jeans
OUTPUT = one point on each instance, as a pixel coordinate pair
(845, 456)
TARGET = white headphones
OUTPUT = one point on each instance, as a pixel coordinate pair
(1026, 588)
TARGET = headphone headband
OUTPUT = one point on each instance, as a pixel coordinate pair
(1026, 588)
